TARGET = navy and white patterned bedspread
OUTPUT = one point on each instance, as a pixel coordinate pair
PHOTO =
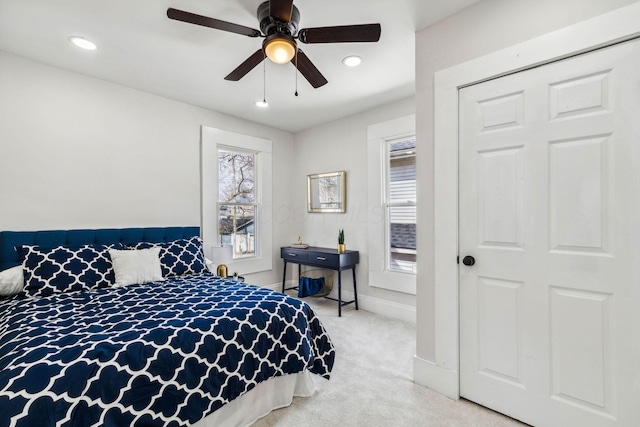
(163, 353)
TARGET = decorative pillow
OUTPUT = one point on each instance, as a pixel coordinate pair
(211, 266)
(136, 266)
(64, 269)
(178, 257)
(11, 281)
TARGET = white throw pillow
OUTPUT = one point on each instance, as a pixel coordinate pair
(136, 266)
(210, 265)
(11, 281)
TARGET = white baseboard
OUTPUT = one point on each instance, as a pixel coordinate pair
(278, 286)
(436, 378)
(383, 307)
(386, 308)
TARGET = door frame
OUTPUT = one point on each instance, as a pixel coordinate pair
(443, 374)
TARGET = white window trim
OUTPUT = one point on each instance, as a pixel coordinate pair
(212, 140)
(378, 135)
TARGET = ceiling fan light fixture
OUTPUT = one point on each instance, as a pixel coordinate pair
(279, 48)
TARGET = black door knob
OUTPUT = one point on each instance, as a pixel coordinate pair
(468, 260)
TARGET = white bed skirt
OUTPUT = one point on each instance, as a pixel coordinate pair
(265, 397)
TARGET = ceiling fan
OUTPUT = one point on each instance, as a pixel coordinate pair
(279, 26)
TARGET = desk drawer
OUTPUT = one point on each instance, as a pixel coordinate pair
(323, 259)
(293, 255)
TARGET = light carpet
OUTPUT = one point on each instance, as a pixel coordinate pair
(371, 383)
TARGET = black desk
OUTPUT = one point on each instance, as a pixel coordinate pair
(325, 258)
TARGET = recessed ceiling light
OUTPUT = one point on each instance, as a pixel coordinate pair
(262, 104)
(83, 43)
(352, 61)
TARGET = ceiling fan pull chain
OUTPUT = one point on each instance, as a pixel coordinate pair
(264, 81)
(296, 72)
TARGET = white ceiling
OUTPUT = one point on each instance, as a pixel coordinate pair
(139, 47)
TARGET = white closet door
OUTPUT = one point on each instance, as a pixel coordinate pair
(549, 204)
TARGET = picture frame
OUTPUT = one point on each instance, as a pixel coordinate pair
(327, 192)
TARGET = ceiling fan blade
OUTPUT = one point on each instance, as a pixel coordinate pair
(192, 18)
(341, 34)
(249, 64)
(308, 70)
(281, 10)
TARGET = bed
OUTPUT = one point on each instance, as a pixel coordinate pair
(128, 327)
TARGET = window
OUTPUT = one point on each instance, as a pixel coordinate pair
(400, 205)
(237, 201)
(236, 191)
(391, 153)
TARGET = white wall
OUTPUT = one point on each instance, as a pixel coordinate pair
(78, 152)
(474, 32)
(334, 146)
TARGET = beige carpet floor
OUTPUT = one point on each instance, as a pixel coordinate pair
(371, 383)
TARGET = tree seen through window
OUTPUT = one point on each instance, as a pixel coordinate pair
(237, 201)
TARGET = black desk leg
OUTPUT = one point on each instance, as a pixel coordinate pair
(355, 290)
(339, 293)
(284, 275)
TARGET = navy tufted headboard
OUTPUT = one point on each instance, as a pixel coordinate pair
(50, 238)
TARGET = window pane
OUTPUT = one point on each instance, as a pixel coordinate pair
(402, 238)
(236, 177)
(401, 186)
(236, 225)
(402, 171)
